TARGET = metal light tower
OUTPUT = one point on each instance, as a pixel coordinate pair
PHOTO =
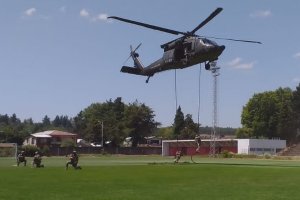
(215, 73)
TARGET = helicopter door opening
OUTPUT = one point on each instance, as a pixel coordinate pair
(187, 52)
(179, 54)
(187, 48)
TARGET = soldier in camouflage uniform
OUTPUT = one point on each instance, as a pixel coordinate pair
(37, 160)
(73, 161)
(198, 141)
(177, 156)
(21, 158)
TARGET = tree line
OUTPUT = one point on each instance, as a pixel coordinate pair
(271, 114)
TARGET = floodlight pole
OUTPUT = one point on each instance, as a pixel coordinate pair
(215, 73)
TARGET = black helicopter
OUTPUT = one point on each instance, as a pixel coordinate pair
(186, 51)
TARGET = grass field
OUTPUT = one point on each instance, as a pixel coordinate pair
(151, 177)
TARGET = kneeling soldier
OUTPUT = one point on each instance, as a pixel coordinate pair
(73, 161)
(37, 160)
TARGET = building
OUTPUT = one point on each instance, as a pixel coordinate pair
(239, 146)
(260, 146)
(50, 138)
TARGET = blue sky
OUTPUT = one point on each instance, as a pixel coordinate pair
(59, 56)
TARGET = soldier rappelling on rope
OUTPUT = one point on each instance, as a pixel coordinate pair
(198, 142)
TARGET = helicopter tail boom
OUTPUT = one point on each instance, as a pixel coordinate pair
(131, 70)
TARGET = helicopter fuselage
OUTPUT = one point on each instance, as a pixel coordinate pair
(182, 54)
(188, 50)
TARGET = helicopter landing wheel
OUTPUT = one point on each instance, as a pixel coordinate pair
(207, 66)
(148, 79)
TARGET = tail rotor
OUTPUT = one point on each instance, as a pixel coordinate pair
(133, 52)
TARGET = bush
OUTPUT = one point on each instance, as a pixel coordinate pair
(68, 143)
(30, 150)
(267, 156)
(45, 151)
(227, 154)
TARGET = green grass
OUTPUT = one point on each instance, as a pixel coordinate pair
(151, 177)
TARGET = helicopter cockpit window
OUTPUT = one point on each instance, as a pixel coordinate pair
(208, 42)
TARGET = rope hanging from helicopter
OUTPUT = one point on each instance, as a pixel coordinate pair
(175, 90)
(199, 103)
(199, 106)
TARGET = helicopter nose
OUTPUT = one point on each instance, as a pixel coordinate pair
(221, 48)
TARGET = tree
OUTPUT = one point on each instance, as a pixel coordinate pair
(296, 107)
(165, 132)
(46, 121)
(139, 121)
(89, 122)
(190, 128)
(243, 133)
(62, 122)
(269, 114)
(178, 122)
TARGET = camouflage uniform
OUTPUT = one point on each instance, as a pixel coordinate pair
(21, 158)
(73, 161)
(37, 160)
(198, 141)
(177, 156)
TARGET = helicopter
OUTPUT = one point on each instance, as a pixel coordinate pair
(188, 50)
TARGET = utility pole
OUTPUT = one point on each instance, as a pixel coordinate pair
(102, 142)
(102, 138)
(215, 73)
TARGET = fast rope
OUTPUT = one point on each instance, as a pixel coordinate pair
(176, 104)
(175, 91)
(199, 103)
(199, 99)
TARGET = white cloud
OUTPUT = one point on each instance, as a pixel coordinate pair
(235, 62)
(297, 55)
(84, 13)
(102, 16)
(30, 12)
(238, 63)
(261, 14)
(94, 18)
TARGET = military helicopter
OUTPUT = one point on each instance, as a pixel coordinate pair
(188, 50)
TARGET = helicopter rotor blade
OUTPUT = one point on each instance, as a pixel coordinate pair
(230, 39)
(132, 51)
(158, 28)
(126, 60)
(210, 17)
(137, 47)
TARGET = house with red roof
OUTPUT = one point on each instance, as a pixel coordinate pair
(50, 138)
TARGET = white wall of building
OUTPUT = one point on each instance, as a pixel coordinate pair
(243, 146)
(260, 146)
(165, 148)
